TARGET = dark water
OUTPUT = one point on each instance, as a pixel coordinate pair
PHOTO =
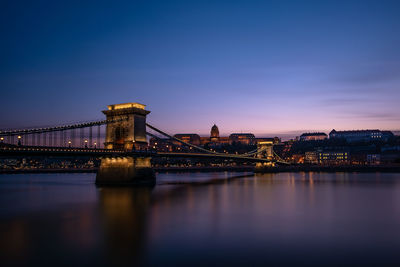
(202, 219)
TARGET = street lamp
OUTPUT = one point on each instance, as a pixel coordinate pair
(69, 143)
(95, 145)
(2, 139)
(19, 140)
(86, 141)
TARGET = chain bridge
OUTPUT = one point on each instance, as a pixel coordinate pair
(120, 141)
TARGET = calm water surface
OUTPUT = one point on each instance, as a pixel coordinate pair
(202, 219)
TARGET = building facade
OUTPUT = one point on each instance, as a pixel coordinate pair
(313, 136)
(334, 157)
(242, 138)
(361, 135)
(193, 139)
(311, 157)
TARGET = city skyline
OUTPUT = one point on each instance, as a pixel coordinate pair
(265, 67)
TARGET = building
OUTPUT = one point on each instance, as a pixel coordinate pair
(373, 159)
(242, 138)
(311, 157)
(361, 135)
(214, 135)
(313, 136)
(214, 138)
(276, 140)
(297, 158)
(386, 135)
(334, 157)
(193, 139)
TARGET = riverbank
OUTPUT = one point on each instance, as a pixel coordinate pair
(158, 170)
(299, 168)
(316, 168)
(205, 169)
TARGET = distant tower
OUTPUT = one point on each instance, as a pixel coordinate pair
(214, 134)
(127, 126)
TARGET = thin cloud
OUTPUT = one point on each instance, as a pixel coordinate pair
(386, 116)
(368, 75)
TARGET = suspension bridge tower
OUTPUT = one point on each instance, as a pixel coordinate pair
(126, 130)
(126, 126)
(265, 150)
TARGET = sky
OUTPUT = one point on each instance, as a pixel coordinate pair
(267, 67)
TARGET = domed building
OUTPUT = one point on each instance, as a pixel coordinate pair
(214, 137)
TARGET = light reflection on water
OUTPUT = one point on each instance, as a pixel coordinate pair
(202, 218)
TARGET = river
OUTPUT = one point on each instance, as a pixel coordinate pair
(199, 219)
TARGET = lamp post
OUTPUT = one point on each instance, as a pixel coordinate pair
(69, 143)
(95, 145)
(86, 143)
(19, 140)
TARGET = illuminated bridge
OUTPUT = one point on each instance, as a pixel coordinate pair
(120, 141)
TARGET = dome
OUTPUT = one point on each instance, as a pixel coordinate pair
(214, 131)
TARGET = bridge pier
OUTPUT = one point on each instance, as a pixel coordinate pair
(264, 166)
(125, 171)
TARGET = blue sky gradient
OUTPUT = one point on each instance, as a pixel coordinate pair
(267, 67)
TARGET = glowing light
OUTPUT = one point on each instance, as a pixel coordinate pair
(126, 105)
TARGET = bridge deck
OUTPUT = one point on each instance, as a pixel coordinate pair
(63, 151)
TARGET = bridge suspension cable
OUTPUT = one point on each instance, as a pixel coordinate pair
(58, 128)
(181, 141)
(278, 157)
(253, 152)
(245, 155)
(67, 135)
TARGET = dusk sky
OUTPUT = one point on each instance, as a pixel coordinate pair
(266, 67)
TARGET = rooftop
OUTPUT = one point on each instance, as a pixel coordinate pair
(355, 131)
(313, 134)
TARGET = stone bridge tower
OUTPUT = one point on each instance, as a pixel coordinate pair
(265, 150)
(127, 129)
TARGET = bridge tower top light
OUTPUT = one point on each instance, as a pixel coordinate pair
(126, 105)
(126, 126)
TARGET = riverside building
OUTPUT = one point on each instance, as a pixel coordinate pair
(313, 136)
(361, 135)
